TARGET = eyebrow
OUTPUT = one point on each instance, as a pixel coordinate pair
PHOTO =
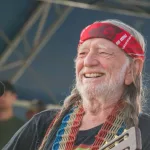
(81, 47)
(97, 45)
(105, 47)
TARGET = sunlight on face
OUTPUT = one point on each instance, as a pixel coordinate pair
(104, 88)
(100, 70)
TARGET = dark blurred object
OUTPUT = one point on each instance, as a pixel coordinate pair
(35, 107)
(8, 86)
(7, 99)
(2, 88)
(9, 123)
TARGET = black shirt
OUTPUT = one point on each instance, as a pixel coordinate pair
(30, 136)
(85, 138)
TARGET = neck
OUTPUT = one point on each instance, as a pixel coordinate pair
(95, 106)
(6, 114)
(97, 111)
(99, 104)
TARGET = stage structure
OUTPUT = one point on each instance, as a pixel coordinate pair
(46, 19)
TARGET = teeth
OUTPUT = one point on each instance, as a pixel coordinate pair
(93, 75)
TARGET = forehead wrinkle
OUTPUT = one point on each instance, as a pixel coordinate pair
(104, 47)
(101, 46)
(96, 44)
(114, 49)
(84, 45)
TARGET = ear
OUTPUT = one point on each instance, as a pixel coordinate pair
(138, 66)
(128, 75)
(133, 70)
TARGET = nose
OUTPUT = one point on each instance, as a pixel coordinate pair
(90, 60)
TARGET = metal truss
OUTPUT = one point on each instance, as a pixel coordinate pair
(26, 104)
(42, 36)
(140, 9)
(136, 8)
(4, 37)
(38, 46)
(38, 43)
(135, 2)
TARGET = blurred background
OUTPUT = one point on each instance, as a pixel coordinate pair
(38, 42)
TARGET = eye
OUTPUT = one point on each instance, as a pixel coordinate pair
(82, 54)
(105, 54)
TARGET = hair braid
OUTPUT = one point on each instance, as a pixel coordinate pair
(134, 93)
(132, 97)
(71, 100)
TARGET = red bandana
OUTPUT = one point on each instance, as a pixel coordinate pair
(118, 36)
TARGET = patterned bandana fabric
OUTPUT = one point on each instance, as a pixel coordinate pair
(117, 35)
(67, 132)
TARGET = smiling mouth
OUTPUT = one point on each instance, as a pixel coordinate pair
(93, 75)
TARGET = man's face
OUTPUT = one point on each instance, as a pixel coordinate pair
(7, 100)
(100, 67)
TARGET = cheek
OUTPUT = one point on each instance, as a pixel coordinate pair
(78, 66)
(106, 65)
(111, 68)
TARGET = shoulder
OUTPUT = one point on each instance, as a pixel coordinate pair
(30, 135)
(144, 125)
(144, 119)
(47, 114)
(144, 122)
(42, 121)
(44, 118)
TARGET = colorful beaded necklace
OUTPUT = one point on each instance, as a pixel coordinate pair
(66, 134)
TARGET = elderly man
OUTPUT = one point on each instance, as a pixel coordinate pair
(106, 99)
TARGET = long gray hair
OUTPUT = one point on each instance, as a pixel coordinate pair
(133, 94)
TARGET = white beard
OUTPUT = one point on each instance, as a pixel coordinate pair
(108, 88)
